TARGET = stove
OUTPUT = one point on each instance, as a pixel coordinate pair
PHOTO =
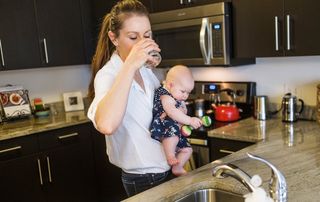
(244, 91)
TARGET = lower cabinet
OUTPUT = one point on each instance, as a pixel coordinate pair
(20, 180)
(108, 175)
(51, 166)
(222, 147)
(68, 164)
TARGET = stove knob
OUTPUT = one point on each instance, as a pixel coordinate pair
(239, 92)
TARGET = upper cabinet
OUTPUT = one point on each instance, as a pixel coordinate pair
(303, 26)
(60, 32)
(41, 33)
(268, 28)
(19, 42)
(165, 5)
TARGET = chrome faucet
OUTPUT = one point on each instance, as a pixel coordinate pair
(277, 184)
(225, 170)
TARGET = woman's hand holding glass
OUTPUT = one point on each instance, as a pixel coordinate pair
(155, 61)
(145, 52)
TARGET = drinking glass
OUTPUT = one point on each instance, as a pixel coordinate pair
(156, 55)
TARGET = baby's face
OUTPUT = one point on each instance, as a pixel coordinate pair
(181, 90)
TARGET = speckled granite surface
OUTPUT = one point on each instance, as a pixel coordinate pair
(244, 130)
(27, 126)
(293, 148)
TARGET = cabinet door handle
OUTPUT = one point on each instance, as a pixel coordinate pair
(226, 151)
(1, 52)
(40, 172)
(10, 149)
(49, 169)
(67, 136)
(288, 32)
(276, 31)
(45, 50)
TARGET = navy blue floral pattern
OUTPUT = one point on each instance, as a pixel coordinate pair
(165, 127)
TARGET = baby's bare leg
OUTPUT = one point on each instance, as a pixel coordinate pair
(169, 146)
(182, 156)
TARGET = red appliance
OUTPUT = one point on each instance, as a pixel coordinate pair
(226, 112)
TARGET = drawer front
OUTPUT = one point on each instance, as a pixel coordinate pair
(64, 136)
(18, 147)
(222, 147)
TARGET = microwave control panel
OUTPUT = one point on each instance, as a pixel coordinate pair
(217, 39)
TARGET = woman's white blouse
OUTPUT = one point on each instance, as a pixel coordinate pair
(131, 146)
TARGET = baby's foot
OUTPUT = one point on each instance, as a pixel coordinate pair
(178, 170)
(172, 161)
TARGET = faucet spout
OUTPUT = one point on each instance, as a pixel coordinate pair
(277, 184)
(225, 170)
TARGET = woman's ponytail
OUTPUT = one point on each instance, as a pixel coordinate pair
(103, 52)
(112, 22)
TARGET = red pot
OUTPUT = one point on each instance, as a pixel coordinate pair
(226, 112)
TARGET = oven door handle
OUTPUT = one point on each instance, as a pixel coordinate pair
(195, 141)
(205, 27)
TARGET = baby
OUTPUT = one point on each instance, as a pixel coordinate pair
(169, 114)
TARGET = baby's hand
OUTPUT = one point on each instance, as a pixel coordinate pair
(195, 122)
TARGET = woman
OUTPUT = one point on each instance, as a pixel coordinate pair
(122, 90)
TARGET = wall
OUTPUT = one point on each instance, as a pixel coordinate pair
(49, 83)
(274, 77)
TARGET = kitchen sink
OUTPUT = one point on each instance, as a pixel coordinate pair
(211, 195)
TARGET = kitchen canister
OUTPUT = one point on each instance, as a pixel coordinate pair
(260, 107)
(199, 107)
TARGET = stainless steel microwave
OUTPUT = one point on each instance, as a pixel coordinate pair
(196, 36)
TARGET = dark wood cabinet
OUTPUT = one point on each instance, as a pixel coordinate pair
(60, 32)
(51, 166)
(68, 164)
(165, 5)
(19, 42)
(222, 147)
(304, 28)
(276, 28)
(19, 170)
(41, 33)
(108, 175)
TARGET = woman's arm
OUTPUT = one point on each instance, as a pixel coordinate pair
(176, 114)
(112, 106)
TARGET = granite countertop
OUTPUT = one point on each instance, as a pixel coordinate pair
(293, 148)
(27, 126)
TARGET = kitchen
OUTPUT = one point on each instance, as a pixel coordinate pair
(274, 77)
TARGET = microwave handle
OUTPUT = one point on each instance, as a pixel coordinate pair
(205, 28)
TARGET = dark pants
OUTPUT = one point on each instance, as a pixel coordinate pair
(136, 183)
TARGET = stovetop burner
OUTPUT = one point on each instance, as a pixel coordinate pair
(243, 101)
